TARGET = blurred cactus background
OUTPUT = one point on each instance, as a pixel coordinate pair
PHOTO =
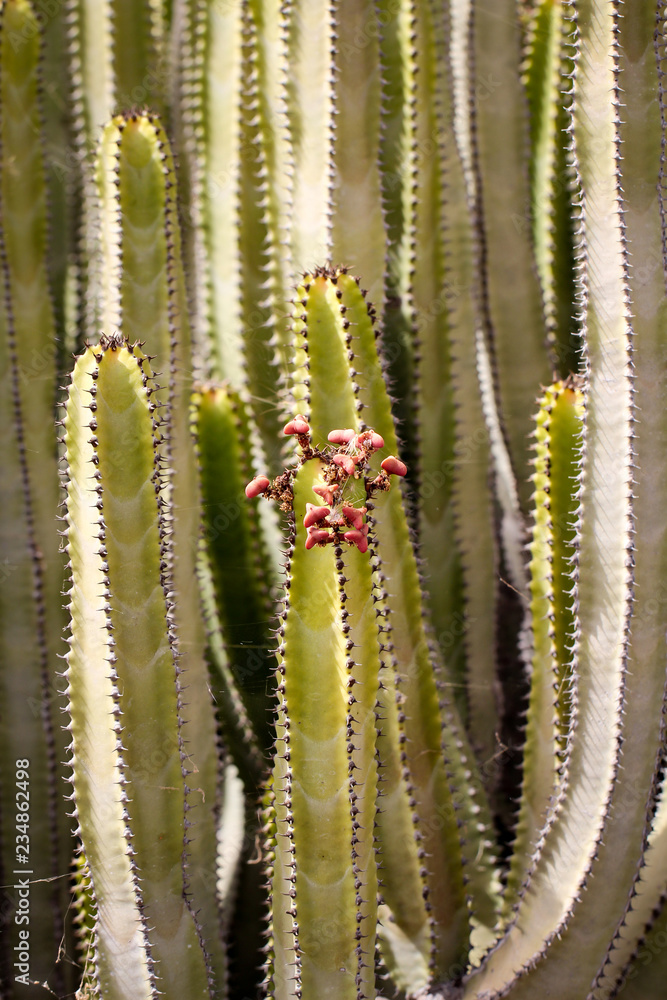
(399, 268)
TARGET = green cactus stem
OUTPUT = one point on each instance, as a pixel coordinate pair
(235, 153)
(324, 777)
(141, 292)
(324, 780)
(397, 156)
(209, 131)
(558, 440)
(126, 698)
(35, 835)
(310, 97)
(548, 65)
(572, 837)
(240, 564)
(357, 223)
(116, 61)
(511, 318)
(475, 692)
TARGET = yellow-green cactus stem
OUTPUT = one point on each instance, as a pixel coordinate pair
(141, 292)
(125, 685)
(511, 308)
(240, 566)
(116, 63)
(548, 65)
(476, 692)
(323, 869)
(357, 225)
(35, 834)
(324, 895)
(558, 445)
(422, 745)
(576, 828)
(235, 153)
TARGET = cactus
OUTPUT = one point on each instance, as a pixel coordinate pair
(399, 269)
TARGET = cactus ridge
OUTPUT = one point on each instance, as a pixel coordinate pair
(189, 58)
(221, 430)
(283, 926)
(595, 731)
(557, 466)
(360, 732)
(32, 566)
(552, 176)
(92, 574)
(645, 899)
(405, 899)
(137, 793)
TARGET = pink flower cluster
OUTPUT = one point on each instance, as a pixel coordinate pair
(349, 520)
(334, 519)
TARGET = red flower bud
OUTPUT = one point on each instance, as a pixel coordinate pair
(340, 436)
(354, 515)
(314, 515)
(394, 466)
(316, 536)
(326, 492)
(370, 438)
(357, 538)
(345, 462)
(256, 486)
(299, 425)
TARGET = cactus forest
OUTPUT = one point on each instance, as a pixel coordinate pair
(333, 538)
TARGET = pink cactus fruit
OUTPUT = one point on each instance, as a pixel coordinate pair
(257, 486)
(341, 436)
(357, 538)
(345, 462)
(394, 467)
(299, 425)
(314, 515)
(317, 536)
(354, 515)
(326, 492)
(370, 439)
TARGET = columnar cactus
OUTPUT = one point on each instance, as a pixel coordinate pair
(402, 728)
